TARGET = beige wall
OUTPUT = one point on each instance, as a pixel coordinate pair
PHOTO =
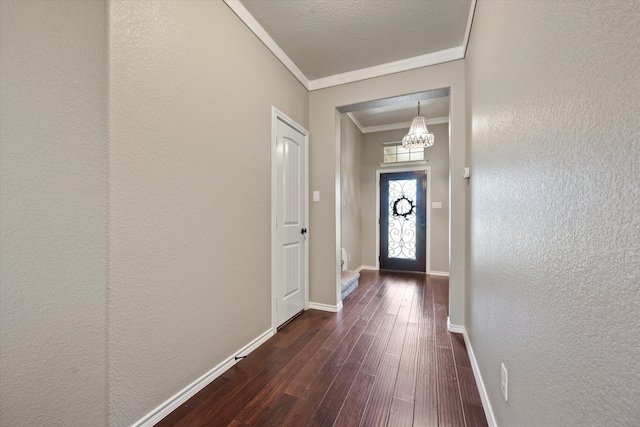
(351, 189)
(555, 202)
(53, 195)
(191, 94)
(182, 191)
(437, 158)
(324, 166)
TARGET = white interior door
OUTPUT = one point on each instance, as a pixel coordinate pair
(290, 220)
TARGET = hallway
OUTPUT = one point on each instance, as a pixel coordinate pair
(386, 359)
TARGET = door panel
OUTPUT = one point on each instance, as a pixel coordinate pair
(290, 256)
(291, 177)
(403, 229)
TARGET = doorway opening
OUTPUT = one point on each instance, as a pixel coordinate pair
(369, 132)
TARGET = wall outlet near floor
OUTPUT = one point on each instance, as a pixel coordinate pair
(504, 381)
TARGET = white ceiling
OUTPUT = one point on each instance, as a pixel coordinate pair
(330, 42)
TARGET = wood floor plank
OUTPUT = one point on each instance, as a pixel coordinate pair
(329, 339)
(334, 347)
(330, 406)
(460, 350)
(381, 310)
(316, 392)
(406, 383)
(428, 316)
(263, 401)
(417, 308)
(396, 340)
(471, 403)
(235, 379)
(303, 378)
(372, 360)
(399, 287)
(440, 318)
(293, 330)
(212, 389)
(401, 413)
(303, 411)
(276, 412)
(351, 412)
(236, 403)
(449, 404)
(235, 423)
(426, 397)
(378, 406)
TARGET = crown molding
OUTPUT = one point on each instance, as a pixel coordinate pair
(394, 126)
(265, 38)
(467, 32)
(407, 64)
(434, 58)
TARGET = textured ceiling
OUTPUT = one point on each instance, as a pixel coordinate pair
(331, 42)
(330, 37)
(392, 115)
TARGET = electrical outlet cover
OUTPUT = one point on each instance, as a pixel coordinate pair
(504, 381)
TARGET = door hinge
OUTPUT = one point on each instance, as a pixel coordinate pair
(276, 221)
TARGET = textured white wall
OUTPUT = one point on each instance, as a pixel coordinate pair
(191, 91)
(53, 179)
(554, 89)
(437, 158)
(351, 190)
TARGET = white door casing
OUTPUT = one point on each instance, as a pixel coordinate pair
(289, 218)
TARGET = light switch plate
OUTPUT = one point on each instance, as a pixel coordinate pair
(316, 196)
(436, 205)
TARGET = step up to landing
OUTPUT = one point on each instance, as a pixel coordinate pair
(349, 282)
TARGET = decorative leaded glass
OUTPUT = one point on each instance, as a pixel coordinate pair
(402, 219)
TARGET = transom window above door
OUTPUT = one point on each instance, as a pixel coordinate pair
(394, 152)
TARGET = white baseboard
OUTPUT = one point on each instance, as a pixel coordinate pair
(189, 391)
(439, 273)
(367, 267)
(486, 404)
(326, 307)
(456, 329)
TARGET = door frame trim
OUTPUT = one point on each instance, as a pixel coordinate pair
(427, 206)
(275, 116)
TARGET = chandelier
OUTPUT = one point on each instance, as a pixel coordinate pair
(418, 136)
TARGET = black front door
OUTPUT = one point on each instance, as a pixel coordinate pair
(403, 230)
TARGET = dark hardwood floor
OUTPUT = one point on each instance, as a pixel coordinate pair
(386, 359)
